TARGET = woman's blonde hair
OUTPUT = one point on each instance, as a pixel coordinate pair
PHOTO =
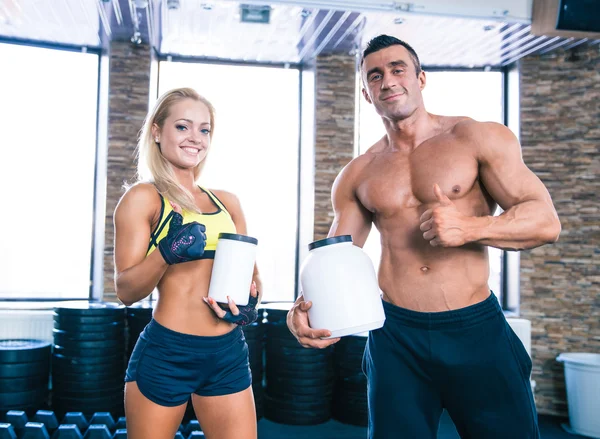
(152, 165)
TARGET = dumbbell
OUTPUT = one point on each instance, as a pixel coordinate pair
(103, 418)
(47, 418)
(97, 431)
(67, 431)
(121, 433)
(35, 430)
(192, 426)
(18, 419)
(7, 431)
(121, 423)
(76, 418)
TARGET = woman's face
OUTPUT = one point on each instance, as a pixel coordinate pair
(185, 136)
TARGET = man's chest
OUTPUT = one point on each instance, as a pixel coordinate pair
(397, 181)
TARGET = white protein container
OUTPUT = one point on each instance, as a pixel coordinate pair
(339, 279)
(233, 268)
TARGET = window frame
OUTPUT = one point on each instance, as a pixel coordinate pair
(98, 183)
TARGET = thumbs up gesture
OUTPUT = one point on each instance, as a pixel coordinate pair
(443, 225)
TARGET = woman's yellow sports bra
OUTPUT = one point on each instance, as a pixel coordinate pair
(215, 223)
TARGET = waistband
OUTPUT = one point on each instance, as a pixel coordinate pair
(161, 334)
(470, 315)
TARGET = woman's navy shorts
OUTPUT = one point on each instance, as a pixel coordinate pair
(169, 366)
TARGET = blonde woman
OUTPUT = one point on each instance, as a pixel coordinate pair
(166, 228)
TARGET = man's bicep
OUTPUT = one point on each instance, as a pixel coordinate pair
(504, 174)
(353, 223)
(351, 217)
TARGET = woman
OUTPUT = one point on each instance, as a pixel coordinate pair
(191, 346)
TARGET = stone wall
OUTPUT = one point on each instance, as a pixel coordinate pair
(128, 104)
(334, 143)
(560, 283)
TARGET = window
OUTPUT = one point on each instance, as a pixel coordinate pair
(48, 115)
(257, 115)
(475, 94)
(512, 260)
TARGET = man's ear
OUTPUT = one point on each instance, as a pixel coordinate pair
(422, 80)
(366, 95)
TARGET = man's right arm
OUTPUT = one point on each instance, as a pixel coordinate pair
(351, 218)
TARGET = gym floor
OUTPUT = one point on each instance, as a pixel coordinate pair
(549, 427)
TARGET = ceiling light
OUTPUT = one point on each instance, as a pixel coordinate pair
(351, 5)
(173, 4)
(136, 38)
(491, 9)
(255, 13)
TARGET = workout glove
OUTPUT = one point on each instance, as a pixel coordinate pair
(247, 315)
(183, 243)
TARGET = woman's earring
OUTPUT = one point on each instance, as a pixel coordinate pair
(156, 140)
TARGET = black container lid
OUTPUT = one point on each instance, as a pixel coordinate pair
(329, 241)
(237, 237)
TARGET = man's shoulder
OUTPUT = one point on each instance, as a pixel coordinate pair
(484, 137)
(351, 174)
(358, 163)
(466, 126)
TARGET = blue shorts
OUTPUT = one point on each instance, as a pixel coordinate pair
(169, 366)
(468, 361)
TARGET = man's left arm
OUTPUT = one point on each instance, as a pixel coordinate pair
(529, 219)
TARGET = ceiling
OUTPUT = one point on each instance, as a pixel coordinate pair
(295, 33)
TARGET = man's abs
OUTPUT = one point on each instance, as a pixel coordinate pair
(434, 279)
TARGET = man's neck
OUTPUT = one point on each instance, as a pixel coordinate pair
(407, 134)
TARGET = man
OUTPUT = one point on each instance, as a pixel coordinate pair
(430, 186)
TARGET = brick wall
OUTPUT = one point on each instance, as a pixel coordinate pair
(334, 143)
(128, 104)
(560, 283)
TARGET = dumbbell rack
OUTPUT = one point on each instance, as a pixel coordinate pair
(15, 424)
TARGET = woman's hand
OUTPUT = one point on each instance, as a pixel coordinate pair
(240, 315)
(184, 242)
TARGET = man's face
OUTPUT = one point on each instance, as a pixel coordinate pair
(391, 83)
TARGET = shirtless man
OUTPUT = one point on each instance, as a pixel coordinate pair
(430, 186)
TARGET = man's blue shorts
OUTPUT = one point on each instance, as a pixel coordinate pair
(169, 366)
(468, 361)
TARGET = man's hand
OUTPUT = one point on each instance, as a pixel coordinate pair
(444, 225)
(297, 321)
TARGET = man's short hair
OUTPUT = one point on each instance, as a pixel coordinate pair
(384, 41)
